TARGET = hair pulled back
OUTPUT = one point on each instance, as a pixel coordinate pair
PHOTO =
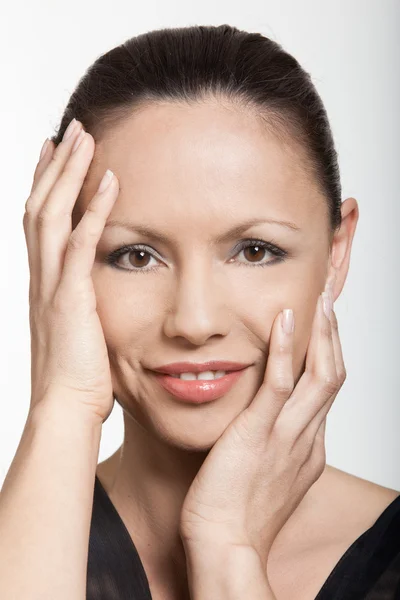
(188, 64)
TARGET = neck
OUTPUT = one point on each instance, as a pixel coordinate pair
(147, 481)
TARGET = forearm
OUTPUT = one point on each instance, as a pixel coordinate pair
(227, 574)
(46, 505)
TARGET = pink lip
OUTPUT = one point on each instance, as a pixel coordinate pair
(198, 391)
(191, 367)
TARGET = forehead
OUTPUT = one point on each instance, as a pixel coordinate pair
(173, 157)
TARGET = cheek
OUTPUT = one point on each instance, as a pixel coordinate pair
(126, 317)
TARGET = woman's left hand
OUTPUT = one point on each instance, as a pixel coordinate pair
(273, 452)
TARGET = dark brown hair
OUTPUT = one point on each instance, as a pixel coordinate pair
(188, 64)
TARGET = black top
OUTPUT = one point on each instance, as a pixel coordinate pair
(368, 570)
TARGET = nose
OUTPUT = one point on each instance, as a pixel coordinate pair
(198, 308)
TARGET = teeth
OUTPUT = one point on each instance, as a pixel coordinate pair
(206, 375)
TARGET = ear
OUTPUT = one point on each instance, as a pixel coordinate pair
(342, 244)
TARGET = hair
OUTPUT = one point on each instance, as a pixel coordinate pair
(190, 64)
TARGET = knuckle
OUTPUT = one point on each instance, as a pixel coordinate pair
(329, 383)
(29, 206)
(285, 432)
(318, 462)
(76, 240)
(25, 220)
(91, 208)
(43, 218)
(342, 375)
(281, 386)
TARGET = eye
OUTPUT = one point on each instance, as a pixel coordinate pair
(257, 249)
(135, 258)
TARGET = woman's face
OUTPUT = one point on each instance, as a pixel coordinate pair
(192, 174)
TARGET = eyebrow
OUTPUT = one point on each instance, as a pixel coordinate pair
(232, 233)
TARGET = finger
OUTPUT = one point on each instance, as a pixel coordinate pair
(44, 160)
(56, 216)
(321, 429)
(321, 338)
(81, 248)
(278, 380)
(337, 347)
(317, 386)
(341, 372)
(31, 241)
(45, 177)
(315, 462)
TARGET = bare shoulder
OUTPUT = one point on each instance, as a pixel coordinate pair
(336, 511)
(339, 508)
(354, 501)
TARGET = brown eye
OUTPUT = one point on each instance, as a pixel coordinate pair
(254, 253)
(138, 258)
(134, 259)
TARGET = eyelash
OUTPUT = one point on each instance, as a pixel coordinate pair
(279, 253)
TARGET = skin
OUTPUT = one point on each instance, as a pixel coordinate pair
(193, 172)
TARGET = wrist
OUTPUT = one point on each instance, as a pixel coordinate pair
(64, 406)
(227, 572)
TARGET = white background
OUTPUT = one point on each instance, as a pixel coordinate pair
(352, 50)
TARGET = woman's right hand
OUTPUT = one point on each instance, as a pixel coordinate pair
(69, 358)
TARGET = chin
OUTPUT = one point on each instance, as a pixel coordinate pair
(195, 429)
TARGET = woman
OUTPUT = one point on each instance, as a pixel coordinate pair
(218, 160)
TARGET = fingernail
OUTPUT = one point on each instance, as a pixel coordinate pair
(327, 303)
(287, 320)
(329, 292)
(105, 182)
(68, 132)
(44, 148)
(329, 287)
(78, 140)
(330, 282)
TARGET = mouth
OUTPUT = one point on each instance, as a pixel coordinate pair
(178, 368)
(197, 390)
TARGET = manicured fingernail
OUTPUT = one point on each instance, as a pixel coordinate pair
(78, 140)
(287, 320)
(105, 182)
(329, 293)
(68, 132)
(44, 148)
(330, 284)
(327, 303)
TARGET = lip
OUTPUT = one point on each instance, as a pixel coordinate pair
(191, 367)
(198, 391)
